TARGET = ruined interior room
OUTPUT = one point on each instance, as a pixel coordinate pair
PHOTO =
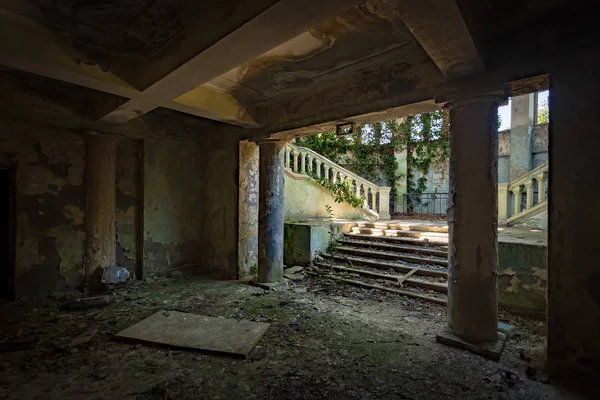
(145, 151)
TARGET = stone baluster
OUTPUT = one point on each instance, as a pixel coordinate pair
(287, 157)
(540, 183)
(319, 163)
(517, 199)
(295, 161)
(302, 163)
(309, 160)
(529, 191)
(327, 169)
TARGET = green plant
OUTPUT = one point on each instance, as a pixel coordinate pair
(543, 116)
(341, 191)
(254, 269)
(333, 244)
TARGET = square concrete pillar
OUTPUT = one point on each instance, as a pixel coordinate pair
(503, 201)
(384, 202)
(573, 337)
(521, 133)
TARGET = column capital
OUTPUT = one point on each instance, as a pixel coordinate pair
(539, 178)
(273, 141)
(516, 190)
(528, 184)
(491, 99)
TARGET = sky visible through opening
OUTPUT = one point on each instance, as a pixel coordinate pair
(504, 111)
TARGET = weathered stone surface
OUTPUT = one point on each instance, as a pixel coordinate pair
(50, 235)
(248, 208)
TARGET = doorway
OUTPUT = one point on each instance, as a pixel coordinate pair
(6, 233)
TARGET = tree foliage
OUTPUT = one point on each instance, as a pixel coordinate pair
(371, 151)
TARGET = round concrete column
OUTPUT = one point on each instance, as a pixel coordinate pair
(473, 219)
(100, 228)
(270, 211)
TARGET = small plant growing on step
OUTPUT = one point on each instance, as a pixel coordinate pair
(333, 244)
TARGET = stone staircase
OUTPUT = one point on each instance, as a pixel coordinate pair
(409, 260)
(306, 163)
(524, 198)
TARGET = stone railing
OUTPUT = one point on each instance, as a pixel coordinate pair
(304, 161)
(524, 195)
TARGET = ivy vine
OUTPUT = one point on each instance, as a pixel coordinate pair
(371, 153)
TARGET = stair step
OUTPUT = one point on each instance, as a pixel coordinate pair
(390, 256)
(384, 232)
(400, 240)
(418, 227)
(376, 225)
(393, 247)
(379, 264)
(435, 286)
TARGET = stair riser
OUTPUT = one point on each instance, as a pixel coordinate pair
(437, 287)
(399, 240)
(387, 232)
(392, 247)
(377, 264)
(385, 256)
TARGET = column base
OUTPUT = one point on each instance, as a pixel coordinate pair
(269, 286)
(492, 350)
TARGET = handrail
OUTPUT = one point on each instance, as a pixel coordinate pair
(528, 176)
(377, 200)
(340, 168)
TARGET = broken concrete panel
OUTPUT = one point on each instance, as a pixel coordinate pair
(523, 277)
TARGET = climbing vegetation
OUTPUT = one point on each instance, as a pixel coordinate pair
(371, 152)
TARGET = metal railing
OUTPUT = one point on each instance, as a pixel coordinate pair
(424, 203)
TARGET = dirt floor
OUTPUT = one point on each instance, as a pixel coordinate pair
(325, 341)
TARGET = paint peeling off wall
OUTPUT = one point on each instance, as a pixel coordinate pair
(190, 207)
(50, 205)
(127, 198)
(523, 277)
(248, 208)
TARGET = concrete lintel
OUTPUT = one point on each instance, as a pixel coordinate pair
(281, 22)
(440, 28)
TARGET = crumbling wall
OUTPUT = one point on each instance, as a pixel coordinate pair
(127, 203)
(50, 205)
(523, 277)
(248, 207)
(190, 206)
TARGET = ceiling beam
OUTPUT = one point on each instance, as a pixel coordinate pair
(281, 22)
(31, 50)
(439, 27)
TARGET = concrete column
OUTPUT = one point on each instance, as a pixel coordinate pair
(473, 219)
(529, 192)
(100, 214)
(540, 183)
(270, 211)
(503, 201)
(248, 207)
(573, 313)
(521, 133)
(384, 202)
(516, 200)
(401, 184)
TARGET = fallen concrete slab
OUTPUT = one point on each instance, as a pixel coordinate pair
(198, 332)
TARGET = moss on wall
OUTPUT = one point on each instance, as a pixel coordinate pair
(523, 277)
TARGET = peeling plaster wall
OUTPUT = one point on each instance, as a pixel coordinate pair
(540, 143)
(306, 199)
(190, 207)
(523, 277)
(50, 205)
(248, 207)
(127, 203)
